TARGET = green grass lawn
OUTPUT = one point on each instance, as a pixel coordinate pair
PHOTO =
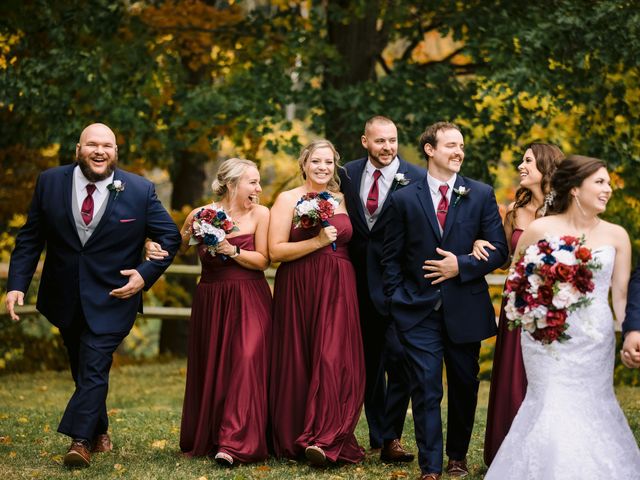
(144, 409)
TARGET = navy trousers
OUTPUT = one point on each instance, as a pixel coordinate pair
(427, 345)
(387, 389)
(90, 358)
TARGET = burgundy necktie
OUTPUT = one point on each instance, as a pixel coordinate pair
(443, 205)
(372, 198)
(87, 205)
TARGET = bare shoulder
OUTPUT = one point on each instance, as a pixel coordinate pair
(616, 233)
(259, 211)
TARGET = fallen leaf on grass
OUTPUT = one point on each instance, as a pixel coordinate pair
(398, 474)
(57, 459)
(23, 420)
(263, 468)
(5, 440)
(118, 467)
(113, 411)
(160, 444)
(43, 388)
(12, 454)
(46, 428)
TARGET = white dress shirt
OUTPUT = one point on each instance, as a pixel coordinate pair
(100, 194)
(384, 185)
(434, 189)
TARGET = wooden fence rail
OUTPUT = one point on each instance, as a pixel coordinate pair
(172, 313)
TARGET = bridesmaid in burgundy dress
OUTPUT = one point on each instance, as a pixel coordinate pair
(317, 370)
(225, 403)
(508, 380)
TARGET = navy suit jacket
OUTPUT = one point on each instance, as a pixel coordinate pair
(365, 247)
(632, 314)
(75, 273)
(413, 238)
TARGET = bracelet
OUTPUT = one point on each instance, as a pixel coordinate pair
(237, 252)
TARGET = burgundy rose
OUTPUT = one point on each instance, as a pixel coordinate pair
(306, 221)
(556, 318)
(206, 215)
(325, 209)
(544, 247)
(563, 272)
(582, 279)
(227, 226)
(545, 295)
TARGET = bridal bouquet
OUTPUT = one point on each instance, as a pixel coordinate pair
(209, 227)
(551, 280)
(313, 209)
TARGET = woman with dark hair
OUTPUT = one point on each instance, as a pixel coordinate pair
(317, 371)
(570, 425)
(508, 380)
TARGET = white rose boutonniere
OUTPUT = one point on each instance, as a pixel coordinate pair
(400, 180)
(460, 192)
(117, 186)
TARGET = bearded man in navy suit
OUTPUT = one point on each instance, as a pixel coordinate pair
(93, 219)
(437, 293)
(368, 184)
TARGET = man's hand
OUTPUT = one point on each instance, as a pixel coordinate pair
(630, 353)
(441, 270)
(133, 286)
(12, 297)
(154, 251)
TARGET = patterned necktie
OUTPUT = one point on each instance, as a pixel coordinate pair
(372, 198)
(87, 205)
(443, 205)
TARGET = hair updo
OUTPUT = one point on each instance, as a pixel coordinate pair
(570, 174)
(229, 172)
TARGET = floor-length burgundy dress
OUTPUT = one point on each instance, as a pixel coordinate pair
(508, 380)
(317, 379)
(225, 403)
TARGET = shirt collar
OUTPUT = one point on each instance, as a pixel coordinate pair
(82, 181)
(385, 171)
(434, 185)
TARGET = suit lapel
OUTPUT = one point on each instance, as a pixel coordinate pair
(424, 197)
(111, 202)
(355, 174)
(402, 168)
(67, 196)
(454, 207)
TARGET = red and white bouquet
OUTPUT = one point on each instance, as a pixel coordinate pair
(315, 208)
(210, 226)
(551, 280)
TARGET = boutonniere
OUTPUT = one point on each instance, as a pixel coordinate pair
(400, 180)
(117, 186)
(460, 192)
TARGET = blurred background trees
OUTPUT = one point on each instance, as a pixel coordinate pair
(185, 83)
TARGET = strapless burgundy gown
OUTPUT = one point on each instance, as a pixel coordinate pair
(225, 402)
(508, 380)
(316, 388)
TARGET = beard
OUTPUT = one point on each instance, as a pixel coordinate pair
(85, 167)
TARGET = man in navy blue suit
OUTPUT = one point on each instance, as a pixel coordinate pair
(630, 354)
(437, 293)
(368, 184)
(93, 219)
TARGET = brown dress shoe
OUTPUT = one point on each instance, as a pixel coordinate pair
(393, 451)
(101, 443)
(430, 476)
(457, 468)
(78, 455)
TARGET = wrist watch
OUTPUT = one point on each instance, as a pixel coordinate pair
(237, 252)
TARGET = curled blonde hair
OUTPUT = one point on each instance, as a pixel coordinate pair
(229, 172)
(305, 155)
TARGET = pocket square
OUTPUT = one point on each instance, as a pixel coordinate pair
(127, 220)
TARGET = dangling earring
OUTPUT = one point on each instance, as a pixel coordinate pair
(579, 206)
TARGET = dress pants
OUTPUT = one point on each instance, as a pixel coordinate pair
(387, 390)
(427, 344)
(90, 358)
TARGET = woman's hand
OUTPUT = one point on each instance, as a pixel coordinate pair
(153, 251)
(225, 248)
(328, 235)
(480, 249)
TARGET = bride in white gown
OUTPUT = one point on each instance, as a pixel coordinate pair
(570, 425)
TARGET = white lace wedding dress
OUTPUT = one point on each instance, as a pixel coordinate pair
(570, 425)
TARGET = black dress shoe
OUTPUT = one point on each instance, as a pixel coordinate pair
(394, 452)
(457, 468)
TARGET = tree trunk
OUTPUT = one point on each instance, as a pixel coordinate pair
(358, 43)
(188, 189)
